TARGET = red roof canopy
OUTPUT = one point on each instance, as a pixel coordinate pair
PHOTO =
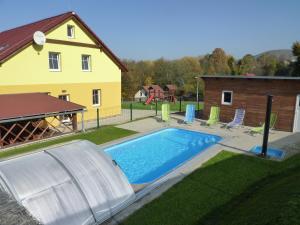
(15, 39)
(14, 106)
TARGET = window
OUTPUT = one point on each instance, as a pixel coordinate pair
(71, 31)
(227, 97)
(64, 97)
(86, 62)
(65, 118)
(54, 61)
(96, 97)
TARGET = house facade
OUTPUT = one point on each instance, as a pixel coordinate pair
(250, 93)
(73, 64)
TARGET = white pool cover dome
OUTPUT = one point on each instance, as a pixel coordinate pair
(69, 184)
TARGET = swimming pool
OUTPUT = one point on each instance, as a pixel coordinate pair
(147, 158)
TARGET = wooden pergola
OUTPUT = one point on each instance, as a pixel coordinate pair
(34, 116)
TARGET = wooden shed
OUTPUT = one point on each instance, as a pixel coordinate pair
(249, 92)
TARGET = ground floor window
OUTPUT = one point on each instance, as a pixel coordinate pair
(64, 97)
(227, 97)
(96, 97)
(64, 118)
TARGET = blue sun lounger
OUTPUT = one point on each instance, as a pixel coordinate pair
(238, 119)
(189, 113)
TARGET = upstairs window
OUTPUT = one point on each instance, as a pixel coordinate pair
(227, 97)
(96, 97)
(70, 31)
(86, 62)
(54, 61)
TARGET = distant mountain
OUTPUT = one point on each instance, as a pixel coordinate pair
(280, 54)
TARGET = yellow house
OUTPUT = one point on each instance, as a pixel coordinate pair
(73, 64)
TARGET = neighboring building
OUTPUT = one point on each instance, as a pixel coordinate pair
(170, 92)
(155, 90)
(73, 64)
(140, 95)
(232, 92)
(170, 89)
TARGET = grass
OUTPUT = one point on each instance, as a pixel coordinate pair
(229, 189)
(173, 106)
(97, 136)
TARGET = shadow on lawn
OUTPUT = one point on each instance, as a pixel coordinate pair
(274, 199)
(209, 189)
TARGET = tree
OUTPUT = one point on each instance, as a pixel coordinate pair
(266, 65)
(216, 63)
(247, 64)
(232, 65)
(131, 81)
(296, 52)
(148, 81)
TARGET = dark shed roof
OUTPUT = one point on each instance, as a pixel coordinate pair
(251, 77)
(33, 104)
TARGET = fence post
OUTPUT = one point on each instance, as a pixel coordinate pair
(156, 107)
(130, 111)
(180, 104)
(98, 118)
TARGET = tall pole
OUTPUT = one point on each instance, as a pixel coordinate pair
(82, 122)
(180, 104)
(98, 118)
(156, 106)
(267, 126)
(198, 107)
(130, 111)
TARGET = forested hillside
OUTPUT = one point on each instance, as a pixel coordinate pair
(182, 72)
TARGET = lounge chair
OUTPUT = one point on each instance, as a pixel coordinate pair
(238, 119)
(214, 115)
(261, 128)
(189, 113)
(165, 112)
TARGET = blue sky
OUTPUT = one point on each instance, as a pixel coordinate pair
(140, 29)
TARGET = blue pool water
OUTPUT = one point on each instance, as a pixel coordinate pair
(147, 158)
(271, 152)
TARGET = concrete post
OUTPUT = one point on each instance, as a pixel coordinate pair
(82, 121)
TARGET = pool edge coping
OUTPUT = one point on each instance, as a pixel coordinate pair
(179, 172)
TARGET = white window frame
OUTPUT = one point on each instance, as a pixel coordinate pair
(72, 31)
(99, 97)
(89, 63)
(65, 118)
(58, 62)
(67, 97)
(231, 100)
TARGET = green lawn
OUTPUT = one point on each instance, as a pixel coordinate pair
(173, 106)
(230, 189)
(97, 136)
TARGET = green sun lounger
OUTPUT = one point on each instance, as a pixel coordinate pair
(214, 115)
(260, 129)
(165, 112)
